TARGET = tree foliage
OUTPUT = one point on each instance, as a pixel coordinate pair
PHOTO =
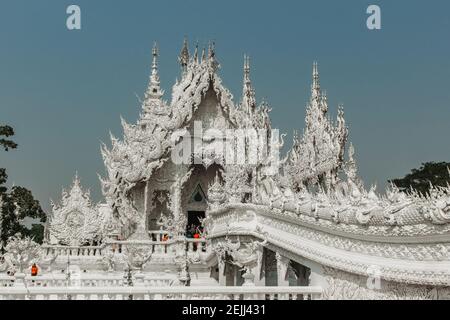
(435, 173)
(6, 132)
(17, 203)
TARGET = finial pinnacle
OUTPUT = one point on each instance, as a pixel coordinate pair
(315, 88)
(196, 53)
(76, 179)
(203, 54)
(155, 54)
(183, 59)
(154, 90)
(246, 64)
(155, 50)
(248, 94)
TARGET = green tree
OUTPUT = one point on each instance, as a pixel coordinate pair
(6, 132)
(435, 173)
(18, 203)
(5, 144)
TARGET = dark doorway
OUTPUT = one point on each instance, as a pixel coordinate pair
(193, 225)
(298, 274)
(270, 272)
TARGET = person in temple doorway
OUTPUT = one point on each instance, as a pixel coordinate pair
(191, 231)
(34, 270)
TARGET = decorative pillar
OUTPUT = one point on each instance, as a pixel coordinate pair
(141, 232)
(222, 276)
(146, 206)
(249, 277)
(176, 198)
(282, 269)
(19, 280)
(260, 278)
(139, 276)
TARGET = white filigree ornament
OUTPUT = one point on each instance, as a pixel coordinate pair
(76, 221)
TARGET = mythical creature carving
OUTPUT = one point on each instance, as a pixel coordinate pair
(246, 256)
(345, 286)
(108, 261)
(22, 252)
(137, 256)
(435, 206)
(216, 193)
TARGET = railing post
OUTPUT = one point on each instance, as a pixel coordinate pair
(139, 279)
(19, 280)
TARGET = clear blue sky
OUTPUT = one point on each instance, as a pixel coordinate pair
(63, 91)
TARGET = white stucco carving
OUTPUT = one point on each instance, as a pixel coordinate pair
(75, 221)
(310, 205)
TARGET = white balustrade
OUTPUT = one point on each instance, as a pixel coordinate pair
(82, 281)
(92, 251)
(160, 235)
(6, 281)
(192, 245)
(161, 243)
(159, 293)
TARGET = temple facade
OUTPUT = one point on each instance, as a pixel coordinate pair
(199, 189)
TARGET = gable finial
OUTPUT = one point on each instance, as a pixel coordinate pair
(155, 54)
(203, 54)
(195, 59)
(248, 93)
(154, 90)
(76, 179)
(183, 59)
(315, 88)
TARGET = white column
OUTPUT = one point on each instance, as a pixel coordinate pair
(19, 280)
(141, 232)
(260, 279)
(139, 276)
(282, 269)
(222, 277)
(146, 204)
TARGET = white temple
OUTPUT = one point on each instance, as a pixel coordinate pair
(183, 210)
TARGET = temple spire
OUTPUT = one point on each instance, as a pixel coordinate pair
(212, 62)
(211, 50)
(155, 59)
(152, 98)
(315, 88)
(203, 54)
(247, 69)
(183, 59)
(154, 89)
(248, 93)
(76, 181)
(195, 59)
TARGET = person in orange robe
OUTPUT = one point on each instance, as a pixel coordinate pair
(34, 270)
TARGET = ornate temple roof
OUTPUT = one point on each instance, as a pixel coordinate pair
(317, 179)
(146, 145)
(75, 221)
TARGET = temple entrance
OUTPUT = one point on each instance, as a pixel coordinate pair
(195, 197)
(270, 270)
(295, 274)
(194, 226)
